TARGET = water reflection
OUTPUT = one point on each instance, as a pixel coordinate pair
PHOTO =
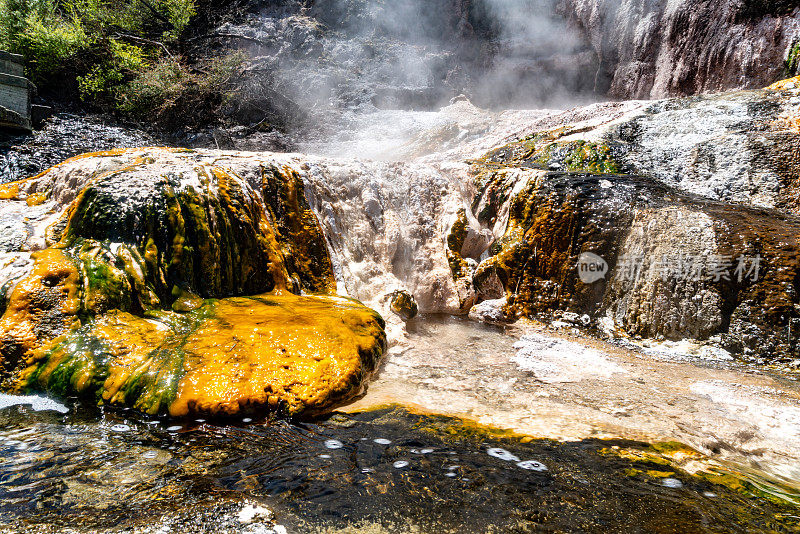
(388, 469)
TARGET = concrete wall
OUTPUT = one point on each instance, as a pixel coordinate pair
(15, 92)
(11, 67)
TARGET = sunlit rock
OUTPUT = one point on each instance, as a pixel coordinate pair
(112, 307)
(679, 266)
(290, 354)
(490, 311)
(652, 49)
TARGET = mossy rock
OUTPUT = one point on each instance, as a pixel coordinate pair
(143, 298)
(555, 217)
(285, 353)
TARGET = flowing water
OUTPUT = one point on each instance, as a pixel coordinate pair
(389, 468)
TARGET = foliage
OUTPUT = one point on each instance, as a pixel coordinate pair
(45, 39)
(169, 91)
(591, 157)
(95, 48)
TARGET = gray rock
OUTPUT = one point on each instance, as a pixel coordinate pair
(490, 311)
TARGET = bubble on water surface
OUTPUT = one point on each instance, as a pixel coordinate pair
(326, 456)
(671, 483)
(333, 444)
(502, 454)
(400, 464)
(382, 441)
(709, 494)
(174, 428)
(532, 465)
(450, 474)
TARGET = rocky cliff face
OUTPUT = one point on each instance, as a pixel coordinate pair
(657, 48)
(679, 197)
(520, 53)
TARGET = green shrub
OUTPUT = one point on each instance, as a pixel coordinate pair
(170, 92)
(47, 45)
(119, 62)
(94, 46)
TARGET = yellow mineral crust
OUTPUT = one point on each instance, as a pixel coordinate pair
(9, 191)
(114, 315)
(299, 354)
(785, 84)
(43, 304)
(277, 352)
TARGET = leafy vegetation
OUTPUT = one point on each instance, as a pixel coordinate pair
(120, 56)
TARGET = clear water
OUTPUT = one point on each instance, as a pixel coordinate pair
(386, 469)
(383, 470)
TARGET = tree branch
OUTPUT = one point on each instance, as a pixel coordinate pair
(157, 13)
(143, 40)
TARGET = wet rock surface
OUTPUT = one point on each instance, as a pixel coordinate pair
(629, 181)
(680, 267)
(62, 137)
(686, 254)
(111, 306)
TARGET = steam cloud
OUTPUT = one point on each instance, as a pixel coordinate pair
(417, 54)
